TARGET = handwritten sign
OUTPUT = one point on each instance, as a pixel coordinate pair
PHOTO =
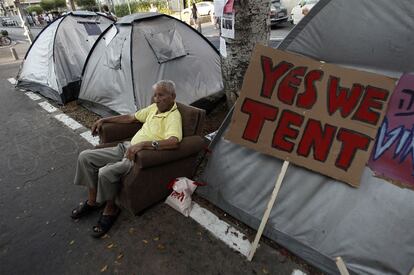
(393, 153)
(316, 115)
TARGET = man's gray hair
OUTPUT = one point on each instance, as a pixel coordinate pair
(167, 85)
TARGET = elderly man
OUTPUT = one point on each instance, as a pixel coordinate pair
(101, 169)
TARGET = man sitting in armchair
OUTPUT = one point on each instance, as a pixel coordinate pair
(101, 169)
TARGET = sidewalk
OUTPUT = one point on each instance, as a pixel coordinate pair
(6, 55)
(37, 236)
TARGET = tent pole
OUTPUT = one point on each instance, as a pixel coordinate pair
(341, 266)
(268, 209)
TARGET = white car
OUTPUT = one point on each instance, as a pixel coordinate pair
(203, 8)
(300, 10)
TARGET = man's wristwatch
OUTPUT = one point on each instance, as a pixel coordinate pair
(155, 144)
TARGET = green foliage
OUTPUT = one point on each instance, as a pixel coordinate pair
(36, 8)
(52, 5)
(86, 4)
(141, 6)
(4, 33)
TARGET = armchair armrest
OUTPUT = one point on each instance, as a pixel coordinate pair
(112, 132)
(189, 146)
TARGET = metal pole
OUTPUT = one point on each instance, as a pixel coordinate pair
(24, 23)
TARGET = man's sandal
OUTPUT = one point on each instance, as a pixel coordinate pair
(84, 209)
(105, 223)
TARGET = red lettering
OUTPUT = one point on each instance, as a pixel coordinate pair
(258, 113)
(308, 98)
(351, 143)
(318, 139)
(373, 99)
(272, 74)
(341, 98)
(284, 130)
(289, 85)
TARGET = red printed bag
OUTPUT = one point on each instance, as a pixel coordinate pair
(180, 198)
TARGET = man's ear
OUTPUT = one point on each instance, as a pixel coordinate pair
(173, 95)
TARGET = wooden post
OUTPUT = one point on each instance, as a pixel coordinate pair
(412, 271)
(341, 266)
(268, 209)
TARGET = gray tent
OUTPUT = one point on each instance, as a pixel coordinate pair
(314, 216)
(53, 64)
(141, 49)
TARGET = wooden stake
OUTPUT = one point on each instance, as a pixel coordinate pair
(412, 271)
(268, 209)
(341, 266)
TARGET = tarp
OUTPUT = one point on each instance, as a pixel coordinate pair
(140, 50)
(314, 216)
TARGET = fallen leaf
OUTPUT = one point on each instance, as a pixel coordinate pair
(120, 256)
(161, 247)
(53, 234)
(105, 268)
(265, 271)
(72, 242)
(110, 245)
(156, 239)
(106, 236)
(131, 230)
(144, 241)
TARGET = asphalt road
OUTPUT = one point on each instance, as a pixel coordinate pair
(277, 33)
(17, 33)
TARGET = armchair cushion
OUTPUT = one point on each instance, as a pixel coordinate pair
(117, 132)
(188, 146)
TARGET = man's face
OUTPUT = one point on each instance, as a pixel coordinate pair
(163, 99)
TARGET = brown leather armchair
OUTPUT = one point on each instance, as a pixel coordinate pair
(146, 184)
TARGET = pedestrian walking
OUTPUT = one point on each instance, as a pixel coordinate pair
(194, 16)
(153, 8)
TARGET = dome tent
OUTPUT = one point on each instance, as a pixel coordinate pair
(316, 217)
(141, 49)
(53, 64)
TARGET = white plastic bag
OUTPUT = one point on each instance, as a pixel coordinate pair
(180, 198)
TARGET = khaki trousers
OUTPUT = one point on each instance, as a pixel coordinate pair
(102, 170)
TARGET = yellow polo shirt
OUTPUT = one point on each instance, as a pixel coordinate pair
(158, 126)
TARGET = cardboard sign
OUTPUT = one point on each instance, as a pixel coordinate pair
(316, 115)
(393, 154)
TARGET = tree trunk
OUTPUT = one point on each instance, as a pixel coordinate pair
(252, 26)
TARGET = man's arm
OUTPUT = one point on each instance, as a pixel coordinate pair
(96, 128)
(165, 144)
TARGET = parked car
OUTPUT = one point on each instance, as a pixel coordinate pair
(203, 8)
(302, 9)
(6, 22)
(278, 13)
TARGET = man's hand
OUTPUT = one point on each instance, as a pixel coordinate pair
(96, 127)
(132, 150)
